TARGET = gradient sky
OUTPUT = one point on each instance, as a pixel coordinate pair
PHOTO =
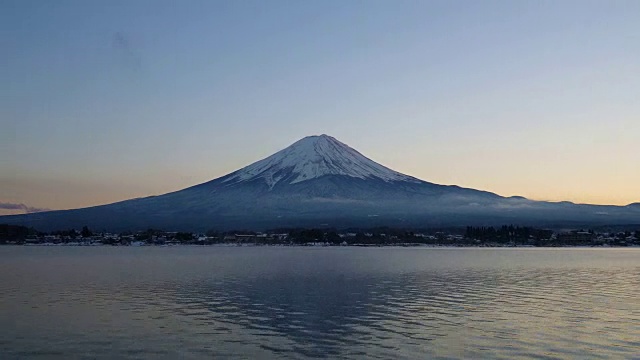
(107, 100)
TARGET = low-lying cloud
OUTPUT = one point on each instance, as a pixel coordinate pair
(21, 207)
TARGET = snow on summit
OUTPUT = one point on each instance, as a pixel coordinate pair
(315, 156)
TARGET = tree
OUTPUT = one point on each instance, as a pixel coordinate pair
(184, 237)
(86, 232)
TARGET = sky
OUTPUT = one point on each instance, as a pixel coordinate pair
(101, 101)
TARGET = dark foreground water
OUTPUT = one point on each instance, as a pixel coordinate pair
(265, 302)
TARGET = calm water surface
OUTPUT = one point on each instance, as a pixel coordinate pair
(295, 302)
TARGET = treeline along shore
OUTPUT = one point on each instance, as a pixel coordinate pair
(504, 236)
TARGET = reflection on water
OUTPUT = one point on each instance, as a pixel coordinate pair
(191, 302)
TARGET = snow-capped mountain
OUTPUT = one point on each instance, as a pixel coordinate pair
(317, 182)
(313, 157)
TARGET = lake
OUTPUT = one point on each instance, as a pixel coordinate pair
(318, 302)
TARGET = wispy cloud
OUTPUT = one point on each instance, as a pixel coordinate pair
(128, 54)
(21, 207)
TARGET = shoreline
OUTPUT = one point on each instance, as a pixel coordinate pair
(318, 245)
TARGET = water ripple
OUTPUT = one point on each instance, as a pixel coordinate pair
(329, 303)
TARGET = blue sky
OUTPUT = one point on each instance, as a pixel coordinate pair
(106, 100)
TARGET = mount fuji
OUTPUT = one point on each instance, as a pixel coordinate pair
(321, 182)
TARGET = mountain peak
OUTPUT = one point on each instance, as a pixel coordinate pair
(312, 157)
(316, 139)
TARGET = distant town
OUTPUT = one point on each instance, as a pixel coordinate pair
(504, 236)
